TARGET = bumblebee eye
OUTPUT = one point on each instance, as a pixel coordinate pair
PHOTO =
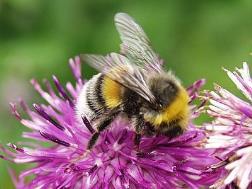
(157, 106)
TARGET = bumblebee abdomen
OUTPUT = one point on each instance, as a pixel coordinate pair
(90, 102)
(97, 95)
(111, 92)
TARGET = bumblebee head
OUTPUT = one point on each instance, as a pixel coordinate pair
(165, 88)
(171, 99)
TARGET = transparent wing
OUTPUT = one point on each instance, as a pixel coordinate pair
(118, 68)
(135, 44)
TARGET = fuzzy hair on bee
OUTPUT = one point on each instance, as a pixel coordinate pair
(133, 83)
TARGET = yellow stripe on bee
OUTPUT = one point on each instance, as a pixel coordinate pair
(111, 92)
(176, 110)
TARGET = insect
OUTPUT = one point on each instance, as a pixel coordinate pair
(133, 83)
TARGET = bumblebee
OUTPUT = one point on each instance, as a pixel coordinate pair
(135, 84)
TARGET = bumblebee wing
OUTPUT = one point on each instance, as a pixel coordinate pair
(135, 43)
(118, 68)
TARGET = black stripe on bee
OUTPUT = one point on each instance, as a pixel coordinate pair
(91, 103)
(171, 129)
(98, 91)
(92, 96)
(175, 131)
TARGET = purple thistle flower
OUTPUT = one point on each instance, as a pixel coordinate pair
(114, 162)
(230, 131)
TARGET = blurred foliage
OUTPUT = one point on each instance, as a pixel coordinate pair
(196, 38)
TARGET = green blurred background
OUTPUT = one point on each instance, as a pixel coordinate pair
(196, 38)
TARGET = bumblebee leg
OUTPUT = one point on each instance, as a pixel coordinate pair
(104, 123)
(96, 135)
(93, 140)
(138, 124)
(137, 140)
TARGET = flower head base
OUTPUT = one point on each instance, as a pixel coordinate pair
(230, 132)
(113, 163)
